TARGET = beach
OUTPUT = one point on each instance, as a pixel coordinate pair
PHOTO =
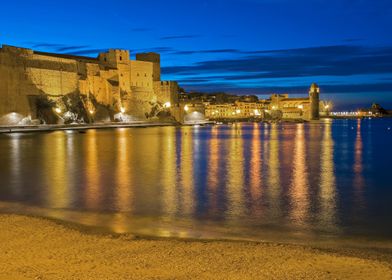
(38, 248)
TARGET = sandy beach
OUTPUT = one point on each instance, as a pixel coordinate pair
(35, 248)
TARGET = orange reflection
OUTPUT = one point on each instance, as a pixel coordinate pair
(92, 170)
(256, 182)
(358, 165)
(168, 150)
(299, 186)
(15, 149)
(56, 179)
(186, 171)
(235, 173)
(327, 180)
(213, 161)
(273, 171)
(358, 151)
(123, 189)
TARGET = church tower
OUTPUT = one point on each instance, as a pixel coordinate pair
(314, 99)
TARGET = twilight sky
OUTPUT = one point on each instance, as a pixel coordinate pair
(238, 46)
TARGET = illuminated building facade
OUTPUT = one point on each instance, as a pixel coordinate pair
(279, 106)
(56, 87)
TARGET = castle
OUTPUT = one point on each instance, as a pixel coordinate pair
(56, 88)
(39, 87)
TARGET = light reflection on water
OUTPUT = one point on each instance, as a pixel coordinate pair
(241, 180)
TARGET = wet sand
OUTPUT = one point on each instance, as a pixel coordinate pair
(37, 248)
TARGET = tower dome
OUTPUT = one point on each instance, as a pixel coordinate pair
(314, 102)
(314, 87)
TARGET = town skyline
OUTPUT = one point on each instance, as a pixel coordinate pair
(221, 46)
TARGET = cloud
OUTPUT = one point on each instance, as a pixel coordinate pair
(70, 48)
(349, 40)
(140, 29)
(88, 52)
(156, 49)
(341, 60)
(44, 45)
(179, 37)
(235, 51)
(293, 89)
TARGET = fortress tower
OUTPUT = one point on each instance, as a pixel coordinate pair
(314, 99)
(155, 59)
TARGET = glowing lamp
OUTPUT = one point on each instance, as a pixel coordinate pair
(58, 110)
(122, 110)
(167, 104)
(186, 108)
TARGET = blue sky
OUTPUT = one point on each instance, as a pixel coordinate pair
(237, 46)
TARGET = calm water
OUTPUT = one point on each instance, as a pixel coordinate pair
(299, 182)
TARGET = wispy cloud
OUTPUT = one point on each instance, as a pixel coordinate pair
(44, 45)
(179, 37)
(341, 60)
(292, 89)
(338, 69)
(156, 49)
(140, 29)
(71, 48)
(350, 40)
(88, 52)
(207, 51)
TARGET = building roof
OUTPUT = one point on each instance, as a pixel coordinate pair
(296, 99)
(69, 56)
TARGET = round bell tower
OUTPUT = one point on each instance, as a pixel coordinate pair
(314, 98)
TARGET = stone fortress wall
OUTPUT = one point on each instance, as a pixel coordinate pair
(55, 87)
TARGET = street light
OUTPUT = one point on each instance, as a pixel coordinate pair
(58, 110)
(186, 108)
(167, 104)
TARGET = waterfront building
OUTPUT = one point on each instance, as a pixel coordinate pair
(278, 106)
(236, 110)
(57, 87)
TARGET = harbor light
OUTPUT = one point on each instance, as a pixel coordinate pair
(58, 110)
(186, 108)
(238, 111)
(167, 104)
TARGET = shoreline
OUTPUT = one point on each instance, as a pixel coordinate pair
(4, 129)
(42, 248)
(80, 127)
